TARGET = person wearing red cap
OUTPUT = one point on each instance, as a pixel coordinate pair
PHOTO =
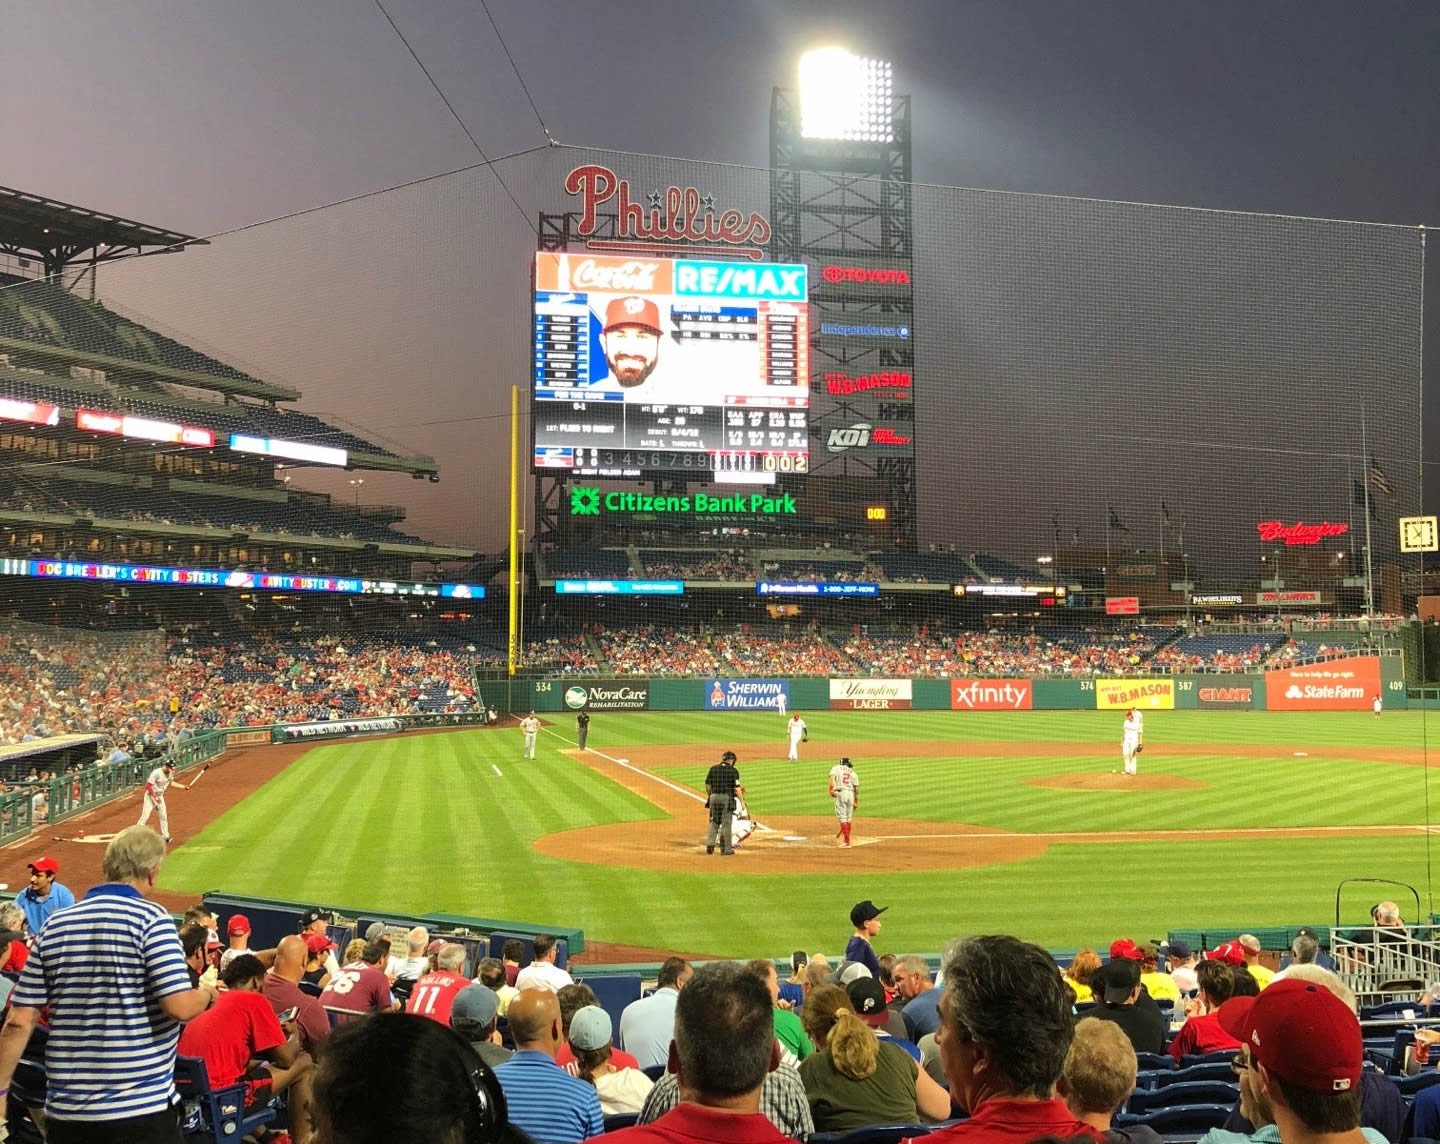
(632, 339)
(237, 931)
(1300, 1062)
(1202, 1031)
(44, 896)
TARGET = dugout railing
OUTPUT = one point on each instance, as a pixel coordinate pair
(1383, 965)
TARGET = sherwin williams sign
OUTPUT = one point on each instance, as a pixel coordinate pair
(1147, 694)
(1348, 684)
(746, 694)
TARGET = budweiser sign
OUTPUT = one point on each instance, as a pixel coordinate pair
(843, 385)
(865, 276)
(680, 215)
(631, 276)
(1298, 534)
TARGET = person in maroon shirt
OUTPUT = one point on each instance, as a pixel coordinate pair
(361, 987)
(282, 990)
(1202, 1032)
(723, 1048)
(1005, 1027)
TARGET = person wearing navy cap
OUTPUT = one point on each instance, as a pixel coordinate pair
(865, 917)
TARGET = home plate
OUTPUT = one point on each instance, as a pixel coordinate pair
(795, 838)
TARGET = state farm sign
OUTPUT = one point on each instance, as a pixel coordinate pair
(991, 695)
(1348, 684)
(870, 695)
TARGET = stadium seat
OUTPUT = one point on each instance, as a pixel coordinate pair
(618, 1120)
(339, 1016)
(1187, 1121)
(1211, 1070)
(655, 1072)
(872, 1134)
(1197, 1092)
(214, 1114)
(1410, 1085)
(614, 992)
(1155, 1062)
(1224, 1056)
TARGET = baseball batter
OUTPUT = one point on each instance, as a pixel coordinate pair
(798, 734)
(531, 727)
(1131, 740)
(160, 780)
(845, 792)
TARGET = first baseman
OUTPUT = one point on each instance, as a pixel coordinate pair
(845, 790)
(1132, 739)
(160, 778)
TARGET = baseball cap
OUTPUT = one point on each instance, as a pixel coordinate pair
(1230, 952)
(862, 912)
(590, 1028)
(375, 931)
(1121, 977)
(1301, 1032)
(1177, 949)
(1248, 941)
(1125, 948)
(434, 947)
(868, 997)
(312, 915)
(477, 1003)
(238, 923)
(318, 943)
(1306, 931)
(632, 311)
(46, 865)
(854, 971)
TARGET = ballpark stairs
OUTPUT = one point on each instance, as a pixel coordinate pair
(1386, 965)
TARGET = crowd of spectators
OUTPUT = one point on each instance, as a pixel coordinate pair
(729, 564)
(380, 1043)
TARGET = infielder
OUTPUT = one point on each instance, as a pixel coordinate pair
(799, 733)
(1132, 740)
(531, 727)
(160, 778)
(782, 703)
(845, 791)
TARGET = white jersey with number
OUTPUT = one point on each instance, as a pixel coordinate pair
(844, 781)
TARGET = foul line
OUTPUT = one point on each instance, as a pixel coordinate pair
(686, 791)
(497, 770)
(1152, 835)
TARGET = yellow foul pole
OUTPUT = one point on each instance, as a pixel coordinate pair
(512, 646)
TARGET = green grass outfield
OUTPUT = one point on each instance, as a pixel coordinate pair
(425, 823)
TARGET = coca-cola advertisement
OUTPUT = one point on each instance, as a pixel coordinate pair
(647, 363)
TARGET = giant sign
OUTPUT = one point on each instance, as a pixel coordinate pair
(608, 695)
(1122, 694)
(870, 695)
(991, 695)
(746, 694)
(1347, 684)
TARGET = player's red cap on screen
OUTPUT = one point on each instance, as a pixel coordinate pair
(632, 311)
(1300, 1031)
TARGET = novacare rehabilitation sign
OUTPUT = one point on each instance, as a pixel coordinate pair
(590, 501)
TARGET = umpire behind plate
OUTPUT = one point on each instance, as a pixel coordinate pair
(720, 784)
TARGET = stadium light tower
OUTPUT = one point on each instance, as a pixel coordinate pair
(845, 96)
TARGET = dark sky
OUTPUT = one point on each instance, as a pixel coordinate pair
(208, 115)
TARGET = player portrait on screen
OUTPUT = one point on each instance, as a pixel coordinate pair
(631, 338)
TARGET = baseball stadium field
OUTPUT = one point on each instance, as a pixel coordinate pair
(1015, 822)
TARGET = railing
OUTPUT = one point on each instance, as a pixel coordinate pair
(1387, 964)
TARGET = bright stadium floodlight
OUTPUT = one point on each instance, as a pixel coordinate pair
(845, 96)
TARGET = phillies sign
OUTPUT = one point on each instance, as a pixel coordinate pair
(674, 215)
(1298, 534)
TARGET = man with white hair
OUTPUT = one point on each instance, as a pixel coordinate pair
(112, 961)
(435, 993)
(414, 964)
(1251, 945)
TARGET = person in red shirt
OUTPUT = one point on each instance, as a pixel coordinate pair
(1005, 1027)
(1202, 1031)
(241, 1028)
(435, 993)
(361, 986)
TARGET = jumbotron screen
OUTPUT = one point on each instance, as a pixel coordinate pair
(646, 364)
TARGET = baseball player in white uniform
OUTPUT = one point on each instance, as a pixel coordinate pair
(1378, 705)
(160, 779)
(845, 791)
(782, 704)
(798, 734)
(531, 726)
(1132, 739)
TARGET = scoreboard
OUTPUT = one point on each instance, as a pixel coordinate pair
(655, 364)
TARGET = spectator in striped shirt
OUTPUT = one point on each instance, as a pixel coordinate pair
(111, 961)
(544, 1100)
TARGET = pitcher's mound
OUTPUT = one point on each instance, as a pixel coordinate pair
(1104, 780)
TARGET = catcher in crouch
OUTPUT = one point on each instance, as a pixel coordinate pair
(845, 791)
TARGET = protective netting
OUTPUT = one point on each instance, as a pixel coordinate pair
(1105, 397)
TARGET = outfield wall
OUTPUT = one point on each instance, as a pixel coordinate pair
(1346, 683)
